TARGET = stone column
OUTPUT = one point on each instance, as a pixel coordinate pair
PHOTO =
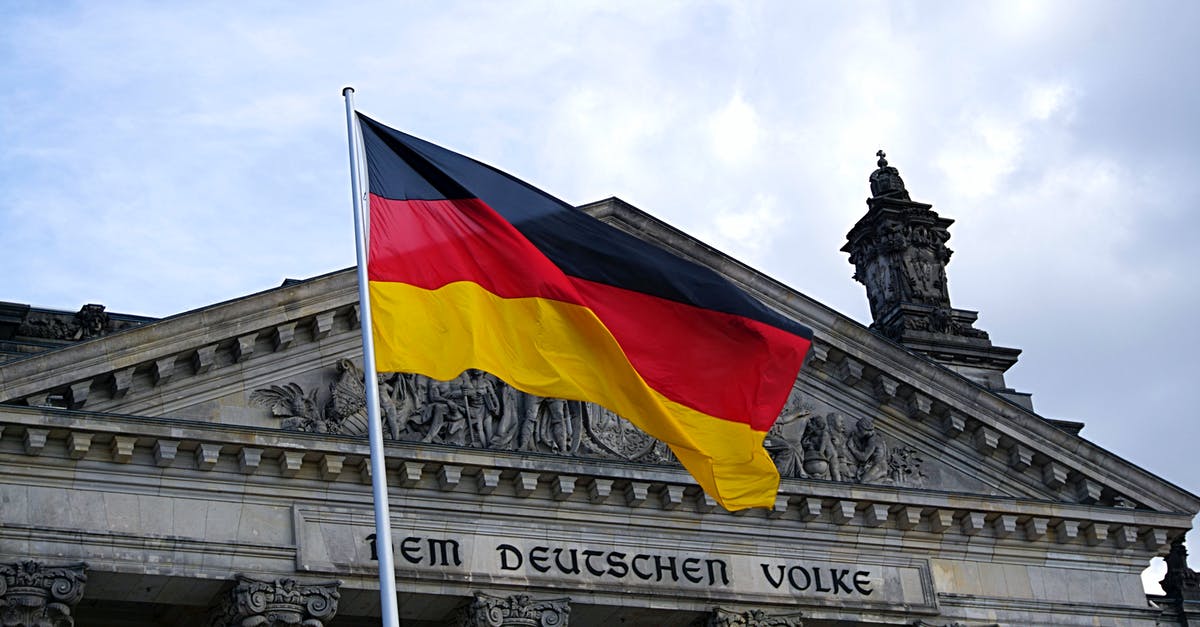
(519, 610)
(721, 617)
(276, 603)
(36, 595)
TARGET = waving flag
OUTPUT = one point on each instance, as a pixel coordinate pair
(469, 267)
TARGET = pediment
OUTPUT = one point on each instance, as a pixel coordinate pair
(864, 410)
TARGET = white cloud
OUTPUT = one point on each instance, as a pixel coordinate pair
(734, 132)
(1044, 101)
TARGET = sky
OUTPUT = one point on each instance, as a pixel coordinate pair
(157, 157)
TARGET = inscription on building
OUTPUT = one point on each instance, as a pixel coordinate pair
(598, 562)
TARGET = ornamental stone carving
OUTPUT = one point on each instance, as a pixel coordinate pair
(519, 610)
(90, 321)
(805, 444)
(899, 253)
(754, 618)
(35, 595)
(474, 410)
(477, 410)
(1181, 582)
(276, 603)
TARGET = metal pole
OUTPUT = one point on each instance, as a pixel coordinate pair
(383, 523)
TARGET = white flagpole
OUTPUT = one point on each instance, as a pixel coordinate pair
(379, 490)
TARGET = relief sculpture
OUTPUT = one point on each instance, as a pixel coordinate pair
(805, 444)
(477, 410)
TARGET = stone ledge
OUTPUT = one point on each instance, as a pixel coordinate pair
(135, 442)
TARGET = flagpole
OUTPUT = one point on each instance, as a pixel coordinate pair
(383, 524)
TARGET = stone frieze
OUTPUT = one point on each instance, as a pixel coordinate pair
(477, 410)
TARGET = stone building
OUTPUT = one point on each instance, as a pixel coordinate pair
(211, 469)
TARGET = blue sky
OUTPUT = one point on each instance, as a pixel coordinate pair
(161, 156)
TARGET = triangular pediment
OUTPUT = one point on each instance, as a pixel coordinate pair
(865, 411)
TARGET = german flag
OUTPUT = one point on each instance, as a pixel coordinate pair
(469, 267)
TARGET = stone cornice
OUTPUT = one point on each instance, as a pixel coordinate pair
(438, 477)
(265, 322)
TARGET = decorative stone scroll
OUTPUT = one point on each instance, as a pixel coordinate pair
(477, 410)
(33, 594)
(276, 603)
(519, 610)
(721, 617)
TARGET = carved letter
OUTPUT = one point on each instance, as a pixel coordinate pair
(538, 556)
(712, 575)
(692, 565)
(573, 569)
(506, 550)
(413, 553)
(770, 579)
(437, 549)
(838, 580)
(637, 571)
(862, 583)
(668, 567)
(817, 576)
(616, 565)
(588, 554)
(792, 577)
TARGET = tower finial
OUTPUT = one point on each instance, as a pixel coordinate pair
(886, 181)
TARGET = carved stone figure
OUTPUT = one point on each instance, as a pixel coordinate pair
(34, 594)
(506, 434)
(783, 441)
(518, 610)
(389, 413)
(445, 413)
(92, 321)
(869, 451)
(836, 423)
(276, 603)
(820, 458)
(481, 405)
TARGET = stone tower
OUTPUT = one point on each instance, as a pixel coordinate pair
(899, 253)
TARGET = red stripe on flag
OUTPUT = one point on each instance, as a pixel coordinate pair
(717, 363)
(720, 364)
(431, 243)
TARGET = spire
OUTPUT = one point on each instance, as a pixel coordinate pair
(899, 254)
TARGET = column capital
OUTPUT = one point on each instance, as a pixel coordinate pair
(282, 602)
(518, 610)
(32, 593)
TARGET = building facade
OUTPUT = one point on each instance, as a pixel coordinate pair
(211, 469)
